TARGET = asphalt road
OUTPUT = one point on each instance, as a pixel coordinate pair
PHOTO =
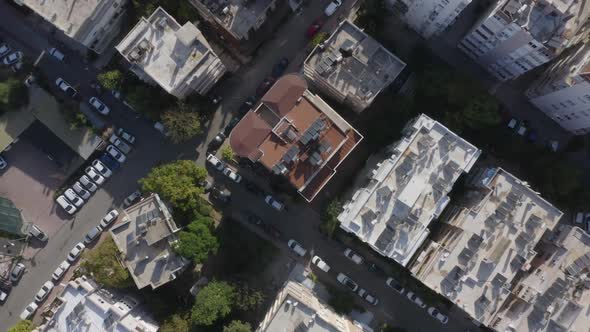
(300, 222)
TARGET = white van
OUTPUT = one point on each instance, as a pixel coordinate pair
(56, 54)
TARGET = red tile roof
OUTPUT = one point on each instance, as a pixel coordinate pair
(284, 94)
(248, 134)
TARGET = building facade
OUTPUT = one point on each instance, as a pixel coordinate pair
(429, 17)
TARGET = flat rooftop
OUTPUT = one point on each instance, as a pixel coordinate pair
(353, 64)
(490, 241)
(144, 238)
(408, 189)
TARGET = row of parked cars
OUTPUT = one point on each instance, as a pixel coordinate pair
(10, 57)
(64, 266)
(97, 173)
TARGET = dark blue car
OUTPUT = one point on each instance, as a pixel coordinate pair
(110, 162)
(280, 67)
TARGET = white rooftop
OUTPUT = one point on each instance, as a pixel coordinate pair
(409, 189)
(487, 243)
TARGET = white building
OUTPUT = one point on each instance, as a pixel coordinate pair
(408, 190)
(485, 242)
(429, 17)
(84, 307)
(519, 35)
(177, 58)
(563, 91)
(92, 23)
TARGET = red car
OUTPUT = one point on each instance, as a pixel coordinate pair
(314, 27)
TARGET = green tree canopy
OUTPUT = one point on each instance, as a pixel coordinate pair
(341, 301)
(111, 80)
(13, 95)
(182, 124)
(247, 298)
(227, 153)
(176, 323)
(197, 243)
(329, 217)
(237, 326)
(102, 263)
(213, 302)
(22, 326)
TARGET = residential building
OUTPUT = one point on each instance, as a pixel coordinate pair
(553, 295)
(93, 24)
(516, 36)
(408, 190)
(295, 134)
(351, 67)
(145, 238)
(563, 90)
(84, 306)
(177, 58)
(484, 242)
(429, 17)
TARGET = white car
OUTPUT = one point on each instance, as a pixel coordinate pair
(368, 297)
(92, 235)
(416, 300)
(72, 197)
(75, 252)
(3, 296)
(44, 291)
(395, 285)
(579, 218)
(60, 271)
(65, 87)
(119, 144)
(115, 153)
(29, 311)
(66, 205)
(126, 136)
(296, 247)
(216, 163)
(89, 185)
(131, 198)
(13, 58)
(94, 176)
(85, 194)
(99, 106)
(230, 173)
(437, 314)
(109, 218)
(346, 281)
(56, 53)
(4, 49)
(274, 203)
(353, 256)
(332, 7)
(101, 168)
(36, 232)
(320, 263)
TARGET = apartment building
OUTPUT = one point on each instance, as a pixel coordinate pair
(351, 67)
(294, 134)
(519, 35)
(84, 306)
(177, 58)
(484, 242)
(408, 190)
(145, 237)
(429, 17)
(563, 90)
(92, 24)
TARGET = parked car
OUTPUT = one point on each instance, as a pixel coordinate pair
(332, 7)
(279, 68)
(367, 297)
(60, 271)
(512, 123)
(231, 125)
(296, 247)
(395, 285)
(247, 105)
(17, 272)
(272, 230)
(265, 85)
(532, 136)
(314, 28)
(3, 163)
(73, 198)
(4, 49)
(220, 194)
(99, 106)
(65, 87)
(92, 235)
(438, 315)
(3, 296)
(29, 311)
(216, 142)
(115, 153)
(579, 218)
(66, 205)
(353, 256)
(76, 252)
(126, 136)
(119, 144)
(109, 161)
(346, 281)
(160, 127)
(215, 162)
(44, 291)
(553, 145)
(132, 198)
(37, 233)
(522, 129)
(274, 203)
(416, 300)
(13, 58)
(94, 175)
(79, 189)
(54, 52)
(375, 268)
(253, 188)
(109, 218)
(30, 80)
(254, 219)
(89, 185)
(317, 261)
(233, 175)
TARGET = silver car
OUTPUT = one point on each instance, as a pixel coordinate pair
(66, 205)
(93, 174)
(72, 197)
(115, 153)
(89, 185)
(85, 194)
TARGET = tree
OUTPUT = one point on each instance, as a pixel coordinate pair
(227, 153)
(389, 328)
(318, 39)
(176, 323)
(110, 80)
(22, 326)
(237, 326)
(182, 124)
(13, 95)
(177, 183)
(213, 302)
(248, 299)
(329, 217)
(481, 111)
(341, 301)
(102, 263)
(196, 244)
